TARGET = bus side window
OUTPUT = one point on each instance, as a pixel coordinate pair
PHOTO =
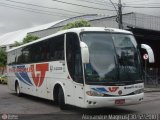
(57, 48)
(73, 55)
(19, 56)
(11, 59)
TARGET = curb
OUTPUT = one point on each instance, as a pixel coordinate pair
(154, 90)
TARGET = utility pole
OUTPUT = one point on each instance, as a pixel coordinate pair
(120, 24)
(119, 14)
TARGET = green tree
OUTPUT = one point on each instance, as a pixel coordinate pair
(27, 39)
(3, 59)
(16, 43)
(76, 24)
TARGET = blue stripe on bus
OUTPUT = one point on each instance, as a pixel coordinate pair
(100, 90)
(23, 76)
(20, 78)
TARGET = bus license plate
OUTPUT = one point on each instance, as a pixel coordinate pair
(120, 102)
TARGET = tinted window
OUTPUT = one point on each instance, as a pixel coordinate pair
(57, 48)
(11, 58)
(20, 58)
(47, 50)
(39, 52)
(73, 55)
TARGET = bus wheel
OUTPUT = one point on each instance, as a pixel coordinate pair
(17, 89)
(61, 100)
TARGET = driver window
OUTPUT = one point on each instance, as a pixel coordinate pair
(73, 55)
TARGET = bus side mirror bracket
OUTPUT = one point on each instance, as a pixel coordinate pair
(84, 52)
(149, 51)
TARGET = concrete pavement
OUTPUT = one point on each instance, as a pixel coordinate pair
(152, 89)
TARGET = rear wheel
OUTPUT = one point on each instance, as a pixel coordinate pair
(61, 99)
(18, 93)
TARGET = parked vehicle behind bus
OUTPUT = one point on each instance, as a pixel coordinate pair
(88, 67)
(3, 79)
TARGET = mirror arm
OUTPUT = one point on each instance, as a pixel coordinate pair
(149, 51)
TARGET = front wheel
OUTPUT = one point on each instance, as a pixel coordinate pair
(18, 93)
(61, 99)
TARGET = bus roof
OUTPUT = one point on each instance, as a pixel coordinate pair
(76, 30)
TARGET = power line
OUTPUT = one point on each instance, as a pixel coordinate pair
(105, 1)
(25, 9)
(114, 6)
(60, 14)
(141, 6)
(144, 4)
(136, 1)
(43, 6)
(32, 10)
(97, 3)
(82, 5)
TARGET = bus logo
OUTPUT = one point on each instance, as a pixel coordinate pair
(113, 89)
(38, 73)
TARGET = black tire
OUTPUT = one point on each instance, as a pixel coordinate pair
(61, 100)
(17, 88)
(55, 101)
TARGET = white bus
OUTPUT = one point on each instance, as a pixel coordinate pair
(88, 67)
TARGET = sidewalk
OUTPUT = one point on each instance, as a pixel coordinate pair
(152, 89)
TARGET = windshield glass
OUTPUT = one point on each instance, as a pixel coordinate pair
(113, 58)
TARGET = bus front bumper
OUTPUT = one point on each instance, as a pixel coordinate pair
(98, 102)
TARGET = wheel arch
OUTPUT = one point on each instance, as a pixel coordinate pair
(15, 83)
(56, 90)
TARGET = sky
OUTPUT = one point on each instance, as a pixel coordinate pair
(21, 14)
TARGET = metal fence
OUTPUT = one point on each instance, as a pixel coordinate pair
(152, 77)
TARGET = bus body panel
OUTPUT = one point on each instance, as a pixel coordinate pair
(36, 79)
(113, 95)
(56, 74)
(115, 90)
(40, 78)
(99, 102)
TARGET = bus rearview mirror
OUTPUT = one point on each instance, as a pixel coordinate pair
(84, 52)
(149, 51)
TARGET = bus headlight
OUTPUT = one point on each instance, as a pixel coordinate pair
(94, 93)
(138, 91)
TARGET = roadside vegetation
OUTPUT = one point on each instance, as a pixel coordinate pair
(76, 24)
(3, 60)
(27, 39)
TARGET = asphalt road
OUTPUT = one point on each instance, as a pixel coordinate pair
(28, 107)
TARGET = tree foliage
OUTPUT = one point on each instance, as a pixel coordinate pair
(27, 39)
(3, 60)
(76, 24)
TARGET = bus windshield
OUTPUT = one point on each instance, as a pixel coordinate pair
(114, 59)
